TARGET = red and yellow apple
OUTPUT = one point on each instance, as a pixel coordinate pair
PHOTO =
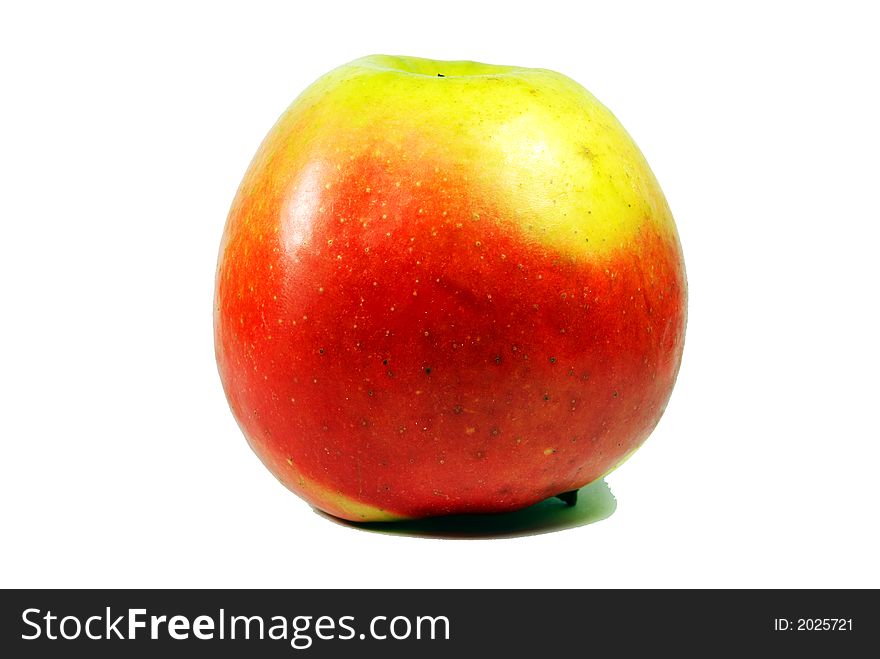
(447, 287)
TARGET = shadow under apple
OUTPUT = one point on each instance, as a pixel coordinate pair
(595, 502)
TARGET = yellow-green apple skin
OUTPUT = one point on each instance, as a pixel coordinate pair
(447, 287)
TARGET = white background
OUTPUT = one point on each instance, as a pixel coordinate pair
(124, 132)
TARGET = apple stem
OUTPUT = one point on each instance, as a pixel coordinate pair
(570, 498)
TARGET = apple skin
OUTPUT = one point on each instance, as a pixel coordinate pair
(447, 287)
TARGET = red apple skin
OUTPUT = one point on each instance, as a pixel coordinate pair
(405, 351)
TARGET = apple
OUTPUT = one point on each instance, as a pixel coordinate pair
(447, 287)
